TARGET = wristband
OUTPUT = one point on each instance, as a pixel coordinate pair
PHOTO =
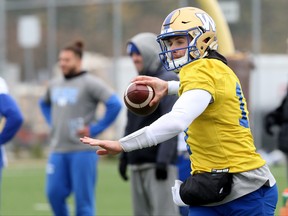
(173, 87)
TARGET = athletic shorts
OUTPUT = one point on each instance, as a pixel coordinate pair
(260, 202)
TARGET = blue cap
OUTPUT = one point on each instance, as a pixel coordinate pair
(131, 48)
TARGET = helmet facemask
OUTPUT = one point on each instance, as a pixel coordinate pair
(192, 53)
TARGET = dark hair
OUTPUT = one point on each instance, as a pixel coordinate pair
(76, 48)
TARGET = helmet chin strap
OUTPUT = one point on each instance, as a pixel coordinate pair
(205, 54)
(177, 63)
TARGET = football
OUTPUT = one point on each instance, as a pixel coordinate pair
(137, 98)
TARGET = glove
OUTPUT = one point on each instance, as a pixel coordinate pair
(176, 194)
(161, 171)
(123, 168)
(269, 121)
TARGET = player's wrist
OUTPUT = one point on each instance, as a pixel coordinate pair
(137, 140)
(172, 87)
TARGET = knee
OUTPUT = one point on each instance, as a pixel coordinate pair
(85, 210)
(54, 192)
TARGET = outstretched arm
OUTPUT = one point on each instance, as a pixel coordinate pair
(182, 114)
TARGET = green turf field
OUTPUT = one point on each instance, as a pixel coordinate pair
(23, 189)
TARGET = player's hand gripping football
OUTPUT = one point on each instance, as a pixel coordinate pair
(107, 146)
(160, 87)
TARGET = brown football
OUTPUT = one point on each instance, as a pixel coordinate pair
(137, 98)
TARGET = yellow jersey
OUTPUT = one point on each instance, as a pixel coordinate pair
(220, 138)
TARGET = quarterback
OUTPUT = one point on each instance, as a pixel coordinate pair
(228, 176)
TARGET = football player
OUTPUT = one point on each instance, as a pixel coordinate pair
(72, 167)
(212, 109)
(152, 171)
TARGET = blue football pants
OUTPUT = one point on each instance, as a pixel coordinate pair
(261, 202)
(72, 172)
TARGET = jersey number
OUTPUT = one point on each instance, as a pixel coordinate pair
(243, 121)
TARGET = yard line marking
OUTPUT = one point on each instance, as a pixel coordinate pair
(41, 207)
(46, 207)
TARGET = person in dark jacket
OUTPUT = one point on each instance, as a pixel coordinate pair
(279, 117)
(153, 170)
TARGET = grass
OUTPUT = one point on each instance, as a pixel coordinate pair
(23, 189)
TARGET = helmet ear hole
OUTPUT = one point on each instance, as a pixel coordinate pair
(207, 39)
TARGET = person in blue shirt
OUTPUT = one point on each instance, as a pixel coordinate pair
(11, 120)
(69, 107)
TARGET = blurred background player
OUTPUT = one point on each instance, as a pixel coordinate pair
(213, 109)
(279, 117)
(11, 120)
(69, 107)
(153, 170)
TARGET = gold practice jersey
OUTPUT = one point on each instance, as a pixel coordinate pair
(220, 138)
